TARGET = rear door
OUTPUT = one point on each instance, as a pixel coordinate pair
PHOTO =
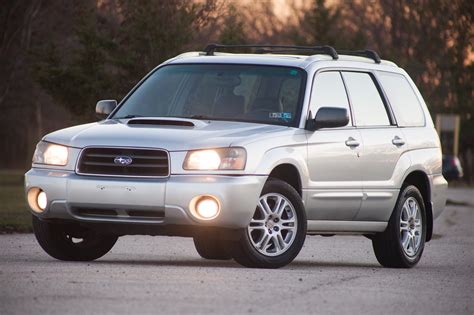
(334, 190)
(383, 145)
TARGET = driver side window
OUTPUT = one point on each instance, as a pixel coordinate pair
(329, 91)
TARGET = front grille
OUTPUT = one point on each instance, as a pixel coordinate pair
(123, 162)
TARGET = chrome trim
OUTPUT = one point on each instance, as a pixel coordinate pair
(76, 169)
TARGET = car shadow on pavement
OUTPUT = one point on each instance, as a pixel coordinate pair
(331, 264)
(297, 264)
(167, 263)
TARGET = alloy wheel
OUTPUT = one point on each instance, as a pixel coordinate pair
(273, 227)
(411, 230)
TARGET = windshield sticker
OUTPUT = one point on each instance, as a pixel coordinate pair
(281, 115)
(293, 72)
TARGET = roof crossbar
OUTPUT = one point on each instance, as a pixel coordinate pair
(263, 49)
(362, 53)
(275, 49)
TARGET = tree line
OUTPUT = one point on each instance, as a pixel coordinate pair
(59, 57)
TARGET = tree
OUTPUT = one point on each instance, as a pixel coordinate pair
(114, 47)
(322, 24)
(233, 32)
(78, 79)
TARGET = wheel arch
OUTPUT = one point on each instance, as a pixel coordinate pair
(420, 180)
(288, 173)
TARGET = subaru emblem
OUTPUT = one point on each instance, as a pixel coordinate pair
(123, 160)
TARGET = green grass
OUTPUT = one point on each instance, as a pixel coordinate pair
(15, 215)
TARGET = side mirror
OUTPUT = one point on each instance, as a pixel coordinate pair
(328, 117)
(104, 108)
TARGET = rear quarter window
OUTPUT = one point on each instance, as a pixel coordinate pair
(402, 98)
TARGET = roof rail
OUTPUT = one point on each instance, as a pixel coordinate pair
(362, 53)
(265, 49)
(269, 49)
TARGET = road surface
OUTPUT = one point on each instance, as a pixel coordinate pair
(335, 275)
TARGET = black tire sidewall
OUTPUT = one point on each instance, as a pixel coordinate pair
(52, 238)
(209, 245)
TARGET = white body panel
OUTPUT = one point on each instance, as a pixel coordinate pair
(356, 186)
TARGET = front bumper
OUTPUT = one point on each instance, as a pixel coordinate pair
(166, 201)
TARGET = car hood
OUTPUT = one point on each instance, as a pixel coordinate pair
(204, 134)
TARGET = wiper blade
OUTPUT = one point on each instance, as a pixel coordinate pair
(128, 116)
(200, 117)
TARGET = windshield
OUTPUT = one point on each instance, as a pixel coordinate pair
(262, 94)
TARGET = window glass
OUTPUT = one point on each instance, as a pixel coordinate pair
(289, 94)
(248, 93)
(403, 99)
(329, 91)
(368, 107)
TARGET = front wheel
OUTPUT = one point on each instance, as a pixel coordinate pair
(276, 232)
(71, 242)
(402, 243)
(210, 246)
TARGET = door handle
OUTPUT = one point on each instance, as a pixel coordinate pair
(351, 142)
(398, 141)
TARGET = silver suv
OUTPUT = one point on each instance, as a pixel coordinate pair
(247, 154)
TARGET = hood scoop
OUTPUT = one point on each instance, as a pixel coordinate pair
(161, 122)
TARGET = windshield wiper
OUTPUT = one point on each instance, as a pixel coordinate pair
(200, 117)
(128, 116)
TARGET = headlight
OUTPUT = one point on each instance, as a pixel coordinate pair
(216, 159)
(50, 153)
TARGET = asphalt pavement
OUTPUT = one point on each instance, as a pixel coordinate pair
(164, 275)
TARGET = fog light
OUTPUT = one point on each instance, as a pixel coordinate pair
(37, 199)
(205, 207)
(42, 200)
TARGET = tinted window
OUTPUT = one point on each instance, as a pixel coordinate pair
(262, 94)
(329, 91)
(368, 107)
(403, 100)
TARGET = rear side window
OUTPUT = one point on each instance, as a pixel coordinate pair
(367, 105)
(402, 98)
(329, 91)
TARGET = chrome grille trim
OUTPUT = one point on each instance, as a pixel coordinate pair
(163, 161)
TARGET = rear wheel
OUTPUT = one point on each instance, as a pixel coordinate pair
(209, 246)
(402, 243)
(71, 242)
(276, 232)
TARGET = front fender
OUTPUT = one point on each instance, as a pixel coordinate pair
(293, 155)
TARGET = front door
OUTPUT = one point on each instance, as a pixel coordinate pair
(334, 191)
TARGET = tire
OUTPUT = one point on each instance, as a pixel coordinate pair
(396, 247)
(259, 245)
(209, 246)
(58, 240)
